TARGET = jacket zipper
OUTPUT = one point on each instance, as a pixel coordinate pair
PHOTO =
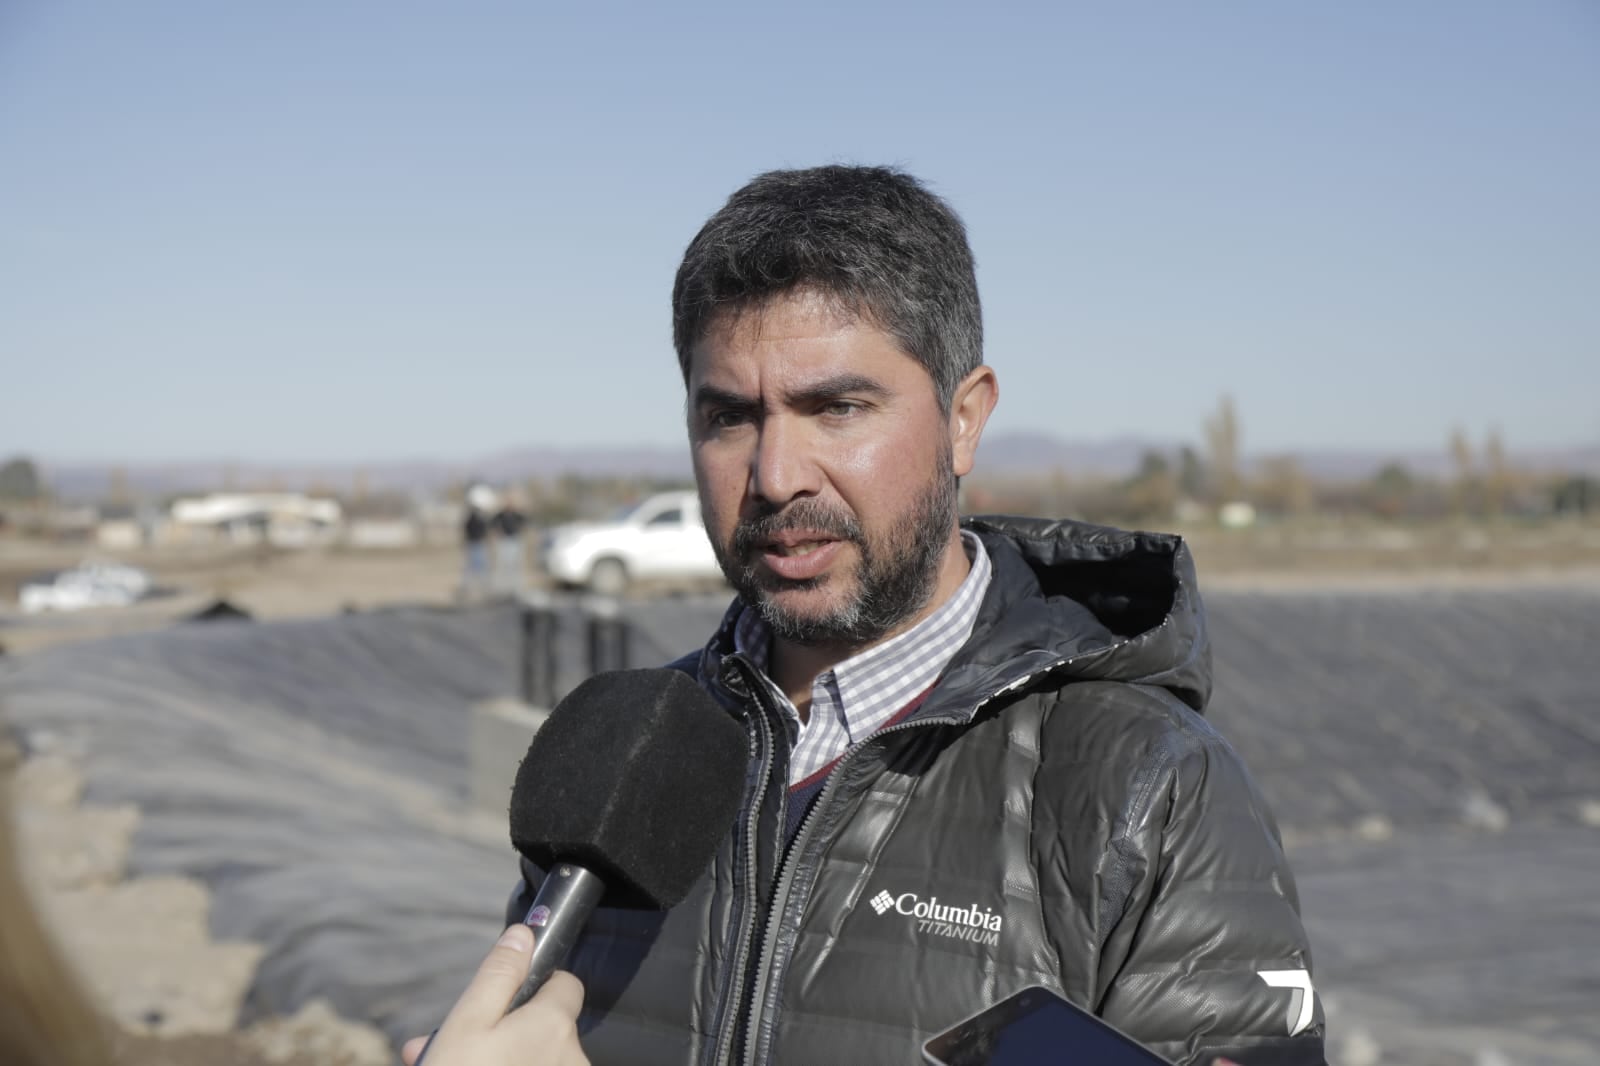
(733, 995)
(764, 974)
(765, 985)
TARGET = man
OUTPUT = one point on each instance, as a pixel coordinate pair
(509, 554)
(475, 542)
(978, 761)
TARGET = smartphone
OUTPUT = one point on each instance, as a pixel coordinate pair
(1033, 1027)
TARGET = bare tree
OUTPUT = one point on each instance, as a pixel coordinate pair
(1391, 491)
(1152, 494)
(20, 480)
(1191, 473)
(1461, 459)
(1497, 478)
(1222, 450)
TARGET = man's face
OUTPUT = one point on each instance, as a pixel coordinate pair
(825, 472)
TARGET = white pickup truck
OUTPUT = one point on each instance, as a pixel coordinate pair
(660, 539)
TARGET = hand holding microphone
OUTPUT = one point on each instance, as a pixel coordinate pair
(479, 1032)
(625, 794)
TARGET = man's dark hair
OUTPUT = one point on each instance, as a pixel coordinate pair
(871, 239)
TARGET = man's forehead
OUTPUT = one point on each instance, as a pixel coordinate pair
(803, 310)
(827, 335)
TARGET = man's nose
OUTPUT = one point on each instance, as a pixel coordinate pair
(784, 466)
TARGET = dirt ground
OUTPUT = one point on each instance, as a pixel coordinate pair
(276, 584)
(171, 992)
(196, 1051)
(223, 1049)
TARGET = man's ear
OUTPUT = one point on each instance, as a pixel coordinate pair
(975, 397)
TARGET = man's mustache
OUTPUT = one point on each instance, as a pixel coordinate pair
(807, 515)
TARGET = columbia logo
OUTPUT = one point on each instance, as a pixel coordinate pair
(976, 923)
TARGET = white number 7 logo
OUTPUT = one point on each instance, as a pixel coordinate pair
(1300, 1003)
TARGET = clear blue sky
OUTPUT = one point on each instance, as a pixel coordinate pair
(359, 231)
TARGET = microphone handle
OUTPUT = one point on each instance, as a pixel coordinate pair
(568, 896)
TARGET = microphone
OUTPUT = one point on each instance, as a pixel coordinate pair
(624, 796)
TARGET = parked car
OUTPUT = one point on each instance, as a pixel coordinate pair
(92, 584)
(662, 538)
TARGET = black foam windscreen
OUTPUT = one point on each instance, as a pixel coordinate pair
(637, 775)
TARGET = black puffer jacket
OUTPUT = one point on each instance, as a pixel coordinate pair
(1056, 812)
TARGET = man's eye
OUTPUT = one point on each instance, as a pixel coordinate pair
(841, 409)
(726, 419)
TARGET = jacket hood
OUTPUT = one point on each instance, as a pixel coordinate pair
(1069, 599)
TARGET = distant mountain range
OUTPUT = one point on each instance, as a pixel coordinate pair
(1002, 455)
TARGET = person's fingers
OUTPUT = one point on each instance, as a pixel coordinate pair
(550, 1020)
(497, 980)
(411, 1049)
(564, 993)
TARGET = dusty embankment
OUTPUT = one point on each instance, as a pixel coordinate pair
(237, 822)
(143, 945)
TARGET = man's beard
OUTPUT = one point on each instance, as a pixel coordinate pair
(895, 577)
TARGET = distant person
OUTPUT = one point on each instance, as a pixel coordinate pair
(509, 553)
(475, 529)
(978, 755)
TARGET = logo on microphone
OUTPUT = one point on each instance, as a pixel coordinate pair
(976, 923)
(538, 916)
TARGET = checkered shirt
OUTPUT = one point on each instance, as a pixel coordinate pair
(858, 696)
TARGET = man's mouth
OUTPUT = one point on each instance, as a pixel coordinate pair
(804, 547)
(799, 555)
(800, 546)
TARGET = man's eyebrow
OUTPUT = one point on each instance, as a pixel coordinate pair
(711, 396)
(810, 394)
(832, 388)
